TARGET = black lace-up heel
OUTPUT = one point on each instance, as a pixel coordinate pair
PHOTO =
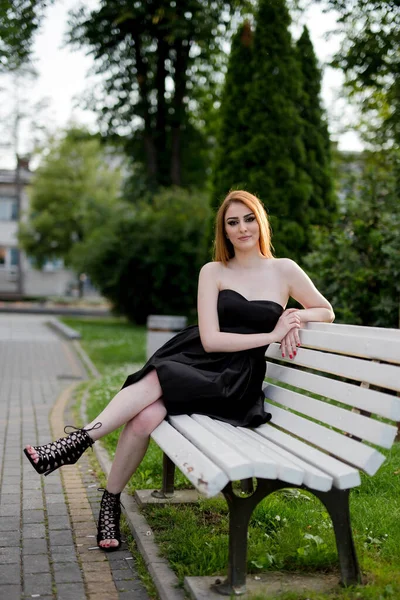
(108, 525)
(64, 451)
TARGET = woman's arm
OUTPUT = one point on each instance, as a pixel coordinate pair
(316, 306)
(214, 340)
(302, 289)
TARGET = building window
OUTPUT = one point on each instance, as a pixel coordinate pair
(8, 257)
(8, 208)
(14, 252)
(56, 264)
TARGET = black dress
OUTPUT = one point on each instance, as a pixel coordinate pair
(224, 385)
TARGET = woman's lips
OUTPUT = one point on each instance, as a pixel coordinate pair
(246, 237)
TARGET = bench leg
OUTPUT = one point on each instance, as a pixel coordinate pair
(168, 488)
(337, 504)
(240, 511)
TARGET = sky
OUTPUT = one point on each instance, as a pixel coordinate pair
(63, 77)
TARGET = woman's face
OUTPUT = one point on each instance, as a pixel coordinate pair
(241, 226)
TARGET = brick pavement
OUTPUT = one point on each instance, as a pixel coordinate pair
(45, 522)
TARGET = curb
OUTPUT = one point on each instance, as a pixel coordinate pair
(73, 312)
(87, 362)
(66, 332)
(164, 579)
(73, 336)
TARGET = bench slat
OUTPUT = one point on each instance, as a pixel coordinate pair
(351, 451)
(386, 376)
(346, 393)
(358, 330)
(383, 349)
(207, 477)
(363, 427)
(236, 465)
(343, 475)
(264, 466)
(286, 470)
(314, 478)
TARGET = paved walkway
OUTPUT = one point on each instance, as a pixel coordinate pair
(47, 526)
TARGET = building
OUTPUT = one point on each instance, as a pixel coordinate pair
(18, 277)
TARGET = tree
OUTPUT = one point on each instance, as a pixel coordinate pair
(357, 264)
(275, 154)
(322, 203)
(230, 168)
(370, 59)
(73, 191)
(19, 20)
(146, 258)
(154, 57)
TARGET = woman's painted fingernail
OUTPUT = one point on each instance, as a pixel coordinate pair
(290, 356)
(283, 356)
(295, 352)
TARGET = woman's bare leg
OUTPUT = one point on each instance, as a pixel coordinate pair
(122, 408)
(132, 446)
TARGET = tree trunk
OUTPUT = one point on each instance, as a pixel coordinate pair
(142, 78)
(161, 118)
(181, 62)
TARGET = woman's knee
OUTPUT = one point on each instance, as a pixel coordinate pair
(148, 419)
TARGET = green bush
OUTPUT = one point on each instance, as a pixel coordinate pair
(146, 259)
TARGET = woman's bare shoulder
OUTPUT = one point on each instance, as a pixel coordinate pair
(286, 265)
(214, 266)
(211, 271)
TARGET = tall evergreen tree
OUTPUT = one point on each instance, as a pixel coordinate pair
(230, 170)
(275, 154)
(316, 141)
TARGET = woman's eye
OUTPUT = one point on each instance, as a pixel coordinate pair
(250, 219)
(232, 223)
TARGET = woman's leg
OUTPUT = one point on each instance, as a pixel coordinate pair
(122, 408)
(132, 446)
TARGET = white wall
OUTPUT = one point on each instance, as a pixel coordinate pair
(47, 283)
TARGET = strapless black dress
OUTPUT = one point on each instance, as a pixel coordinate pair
(224, 385)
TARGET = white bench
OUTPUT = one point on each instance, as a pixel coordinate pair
(323, 450)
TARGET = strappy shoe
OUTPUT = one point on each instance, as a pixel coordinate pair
(108, 524)
(64, 451)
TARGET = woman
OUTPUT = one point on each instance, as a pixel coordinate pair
(216, 368)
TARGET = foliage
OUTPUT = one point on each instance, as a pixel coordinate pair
(73, 190)
(275, 154)
(370, 59)
(160, 63)
(146, 258)
(357, 263)
(322, 203)
(273, 138)
(19, 20)
(230, 166)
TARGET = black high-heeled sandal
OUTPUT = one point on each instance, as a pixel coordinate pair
(108, 523)
(64, 451)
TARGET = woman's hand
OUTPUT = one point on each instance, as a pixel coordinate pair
(288, 324)
(290, 343)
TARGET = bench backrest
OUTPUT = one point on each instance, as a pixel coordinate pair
(318, 397)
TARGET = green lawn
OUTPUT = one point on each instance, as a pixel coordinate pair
(288, 531)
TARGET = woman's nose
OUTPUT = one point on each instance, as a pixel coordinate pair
(243, 226)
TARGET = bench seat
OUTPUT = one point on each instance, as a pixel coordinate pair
(332, 407)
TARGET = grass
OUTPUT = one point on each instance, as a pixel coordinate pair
(289, 531)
